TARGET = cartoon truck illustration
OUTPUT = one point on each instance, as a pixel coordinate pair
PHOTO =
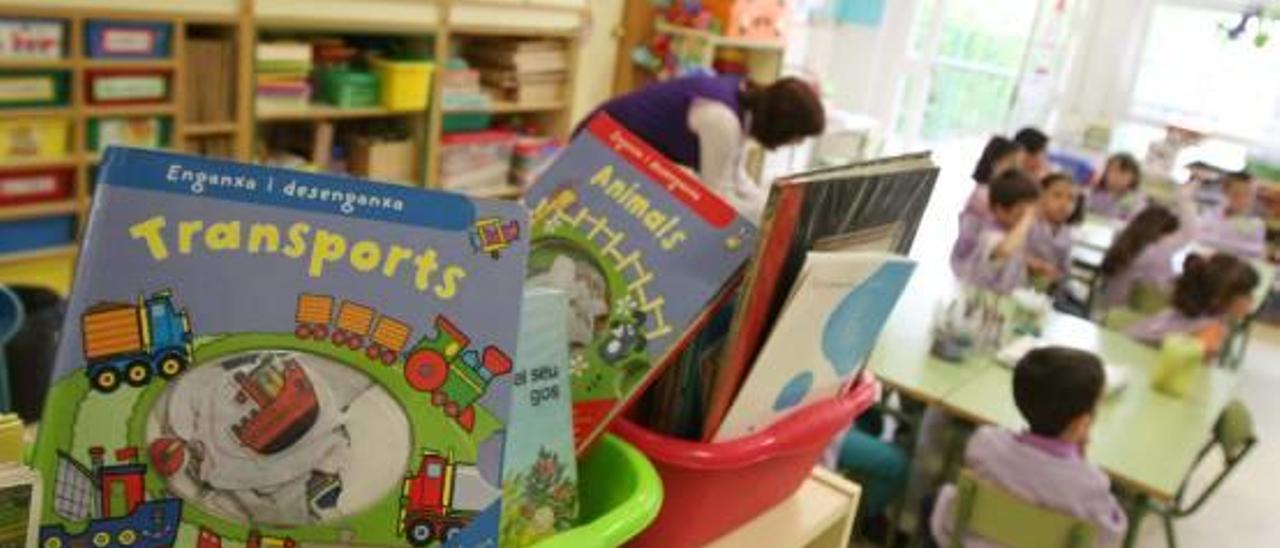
(492, 236)
(113, 499)
(134, 342)
(314, 313)
(354, 321)
(426, 502)
(389, 338)
(286, 406)
(455, 375)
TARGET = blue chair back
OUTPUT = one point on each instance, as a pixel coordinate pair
(11, 318)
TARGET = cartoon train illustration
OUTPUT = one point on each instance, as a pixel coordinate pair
(113, 499)
(286, 406)
(387, 336)
(209, 539)
(426, 502)
(135, 342)
(492, 236)
(456, 376)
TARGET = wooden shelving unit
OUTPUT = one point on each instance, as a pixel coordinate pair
(430, 26)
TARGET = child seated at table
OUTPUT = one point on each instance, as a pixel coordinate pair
(1115, 194)
(998, 156)
(1142, 254)
(993, 256)
(1234, 228)
(1049, 243)
(1035, 151)
(1210, 293)
(1056, 390)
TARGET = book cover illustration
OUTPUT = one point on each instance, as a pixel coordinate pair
(257, 356)
(803, 211)
(645, 254)
(824, 334)
(539, 479)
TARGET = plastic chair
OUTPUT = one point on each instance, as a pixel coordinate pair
(1235, 436)
(11, 318)
(1004, 519)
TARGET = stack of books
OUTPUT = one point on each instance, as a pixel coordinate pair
(460, 89)
(521, 71)
(19, 488)
(282, 75)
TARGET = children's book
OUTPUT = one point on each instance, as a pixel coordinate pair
(807, 211)
(824, 334)
(645, 254)
(540, 474)
(263, 357)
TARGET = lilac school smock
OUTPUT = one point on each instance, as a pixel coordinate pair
(975, 215)
(1153, 330)
(1242, 235)
(1051, 244)
(980, 268)
(1123, 207)
(1043, 471)
(659, 113)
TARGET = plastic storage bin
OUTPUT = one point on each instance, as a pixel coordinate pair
(619, 495)
(30, 234)
(712, 488)
(34, 88)
(34, 186)
(135, 131)
(348, 88)
(476, 160)
(32, 38)
(406, 85)
(127, 39)
(126, 87)
(33, 138)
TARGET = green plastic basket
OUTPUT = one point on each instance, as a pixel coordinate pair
(620, 494)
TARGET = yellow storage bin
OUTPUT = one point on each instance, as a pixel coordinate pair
(406, 85)
(33, 138)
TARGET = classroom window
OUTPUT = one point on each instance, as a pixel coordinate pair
(1191, 74)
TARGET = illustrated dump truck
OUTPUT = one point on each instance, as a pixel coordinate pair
(426, 502)
(135, 342)
(113, 499)
(285, 406)
(455, 375)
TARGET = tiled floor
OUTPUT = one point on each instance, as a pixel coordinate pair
(1244, 510)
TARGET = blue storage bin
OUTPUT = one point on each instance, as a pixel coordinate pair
(32, 234)
(127, 39)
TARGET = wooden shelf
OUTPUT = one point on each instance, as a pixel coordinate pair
(204, 129)
(130, 110)
(46, 209)
(27, 163)
(36, 64)
(505, 107)
(35, 112)
(327, 112)
(51, 252)
(162, 63)
(718, 40)
(504, 193)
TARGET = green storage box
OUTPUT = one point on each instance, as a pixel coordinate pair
(619, 494)
(466, 121)
(34, 88)
(348, 88)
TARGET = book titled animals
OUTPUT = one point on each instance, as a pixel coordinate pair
(262, 357)
(644, 253)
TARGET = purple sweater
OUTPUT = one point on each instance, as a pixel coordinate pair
(659, 113)
(977, 265)
(1051, 244)
(1121, 208)
(1242, 235)
(1039, 470)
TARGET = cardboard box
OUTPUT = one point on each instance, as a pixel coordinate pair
(391, 161)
